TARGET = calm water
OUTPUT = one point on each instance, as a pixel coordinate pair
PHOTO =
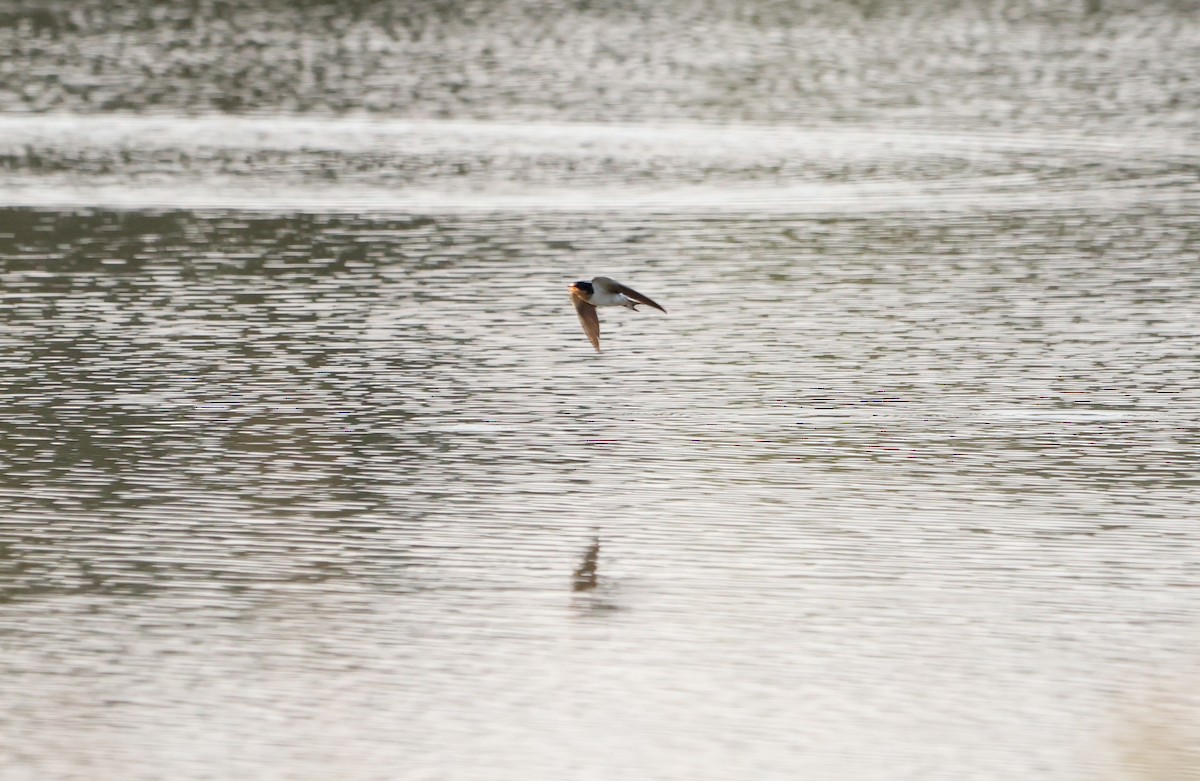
(308, 471)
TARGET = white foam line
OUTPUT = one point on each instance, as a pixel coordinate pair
(423, 136)
(695, 141)
(734, 200)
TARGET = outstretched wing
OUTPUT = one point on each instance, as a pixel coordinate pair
(629, 292)
(589, 320)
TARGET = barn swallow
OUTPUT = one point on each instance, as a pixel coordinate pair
(602, 291)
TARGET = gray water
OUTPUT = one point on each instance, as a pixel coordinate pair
(308, 470)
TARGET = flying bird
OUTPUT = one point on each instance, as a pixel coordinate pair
(602, 291)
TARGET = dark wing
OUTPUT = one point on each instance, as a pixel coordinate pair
(636, 296)
(589, 320)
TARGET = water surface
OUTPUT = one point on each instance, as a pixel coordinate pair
(308, 471)
(287, 492)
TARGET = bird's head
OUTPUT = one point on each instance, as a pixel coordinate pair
(582, 288)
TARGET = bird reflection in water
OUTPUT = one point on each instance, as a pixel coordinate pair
(587, 574)
(591, 597)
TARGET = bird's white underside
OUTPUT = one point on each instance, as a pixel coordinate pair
(603, 298)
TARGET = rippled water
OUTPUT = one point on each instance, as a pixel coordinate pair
(308, 471)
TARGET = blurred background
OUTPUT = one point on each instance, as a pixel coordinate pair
(308, 471)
